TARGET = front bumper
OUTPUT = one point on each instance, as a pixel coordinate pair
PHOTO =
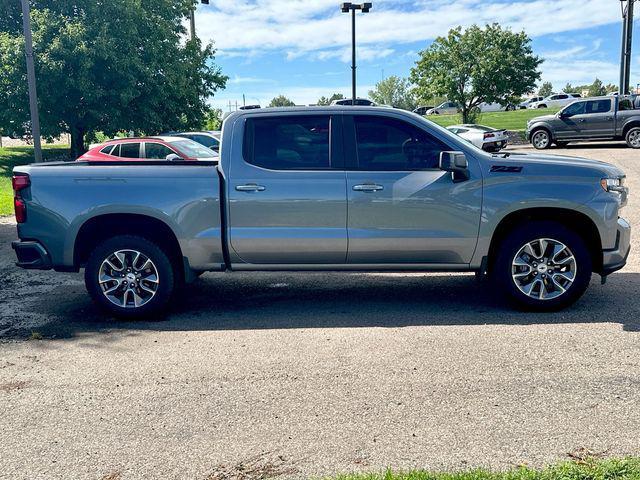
(31, 255)
(616, 258)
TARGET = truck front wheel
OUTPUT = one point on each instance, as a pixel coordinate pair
(541, 139)
(129, 276)
(543, 266)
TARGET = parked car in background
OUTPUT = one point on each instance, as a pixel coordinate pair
(422, 110)
(486, 138)
(149, 148)
(210, 139)
(400, 193)
(525, 104)
(598, 118)
(556, 100)
(496, 107)
(360, 102)
(444, 108)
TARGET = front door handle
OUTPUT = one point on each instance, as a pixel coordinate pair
(250, 187)
(368, 187)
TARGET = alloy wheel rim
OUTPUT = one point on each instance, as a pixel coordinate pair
(128, 278)
(541, 140)
(544, 269)
(634, 138)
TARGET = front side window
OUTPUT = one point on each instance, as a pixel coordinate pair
(574, 109)
(107, 150)
(288, 142)
(599, 106)
(389, 144)
(562, 97)
(130, 150)
(156, 151)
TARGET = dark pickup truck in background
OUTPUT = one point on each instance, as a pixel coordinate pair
(589, 119)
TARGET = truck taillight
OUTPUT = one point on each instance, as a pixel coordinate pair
(19, 183)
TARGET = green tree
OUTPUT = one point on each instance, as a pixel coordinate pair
(568, 88)
(546, 89)
(106, 66)
(597, 88)
(610, 88)
(281, 101)
(213, 119)
(394, 91)
(327, 101)
(477, 65)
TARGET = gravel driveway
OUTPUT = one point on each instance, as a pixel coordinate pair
(294, 375)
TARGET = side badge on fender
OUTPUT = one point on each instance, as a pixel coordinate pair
(505, 169)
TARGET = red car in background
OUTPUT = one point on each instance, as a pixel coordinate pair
(149, 148)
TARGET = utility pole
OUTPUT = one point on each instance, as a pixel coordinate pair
(625, 54)
(347, 7)
(31, 81)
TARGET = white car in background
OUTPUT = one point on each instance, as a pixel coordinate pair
(444, 108)
(524, 105)
(556, 100)
(486, 138)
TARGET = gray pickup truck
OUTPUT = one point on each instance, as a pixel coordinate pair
(589, 119)
(325, 188)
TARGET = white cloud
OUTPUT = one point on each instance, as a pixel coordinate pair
(301, 27)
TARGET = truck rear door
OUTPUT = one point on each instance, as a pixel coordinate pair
(599, 118)
(287, 191)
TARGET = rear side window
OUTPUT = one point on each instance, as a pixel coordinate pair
(207, 141)
(107, 150)
(156, 151)
(625, 105)
(389, 144)
(288, 142)
(130, 150)
(599, 106)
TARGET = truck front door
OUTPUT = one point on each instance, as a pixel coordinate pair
(286, 191)
(401, 207)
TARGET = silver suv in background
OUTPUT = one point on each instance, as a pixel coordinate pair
(598, 118)
(556, 100)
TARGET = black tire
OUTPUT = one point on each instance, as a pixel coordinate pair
(542, 106)
(561, 144)
(154, 304)
(503, 267)
(541, 139)
(632, 137)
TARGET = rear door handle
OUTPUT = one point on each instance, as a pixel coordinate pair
(250, 187)
(368, 187)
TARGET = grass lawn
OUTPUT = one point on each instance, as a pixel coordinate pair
(515, 120)
(622, 469)
(13, 156)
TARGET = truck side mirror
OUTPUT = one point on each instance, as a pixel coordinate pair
(456, 163)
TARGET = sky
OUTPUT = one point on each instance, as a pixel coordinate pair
(302, 48)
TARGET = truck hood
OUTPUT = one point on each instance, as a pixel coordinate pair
(553, 163)
(542, 118)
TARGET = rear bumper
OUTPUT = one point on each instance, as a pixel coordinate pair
(31, 255)
(616, 258)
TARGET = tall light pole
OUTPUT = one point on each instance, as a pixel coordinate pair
(192, 19)
(627, 35)
(347, 7)
(31, 81)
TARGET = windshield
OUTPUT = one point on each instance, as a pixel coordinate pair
(193, 149)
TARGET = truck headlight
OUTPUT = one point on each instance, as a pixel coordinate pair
(612, 184)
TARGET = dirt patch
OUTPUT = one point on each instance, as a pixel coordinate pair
(13, 386)
(260, 467)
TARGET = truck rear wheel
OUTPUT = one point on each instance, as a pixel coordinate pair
(129, 276)
(543, 266)
(633, 137)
